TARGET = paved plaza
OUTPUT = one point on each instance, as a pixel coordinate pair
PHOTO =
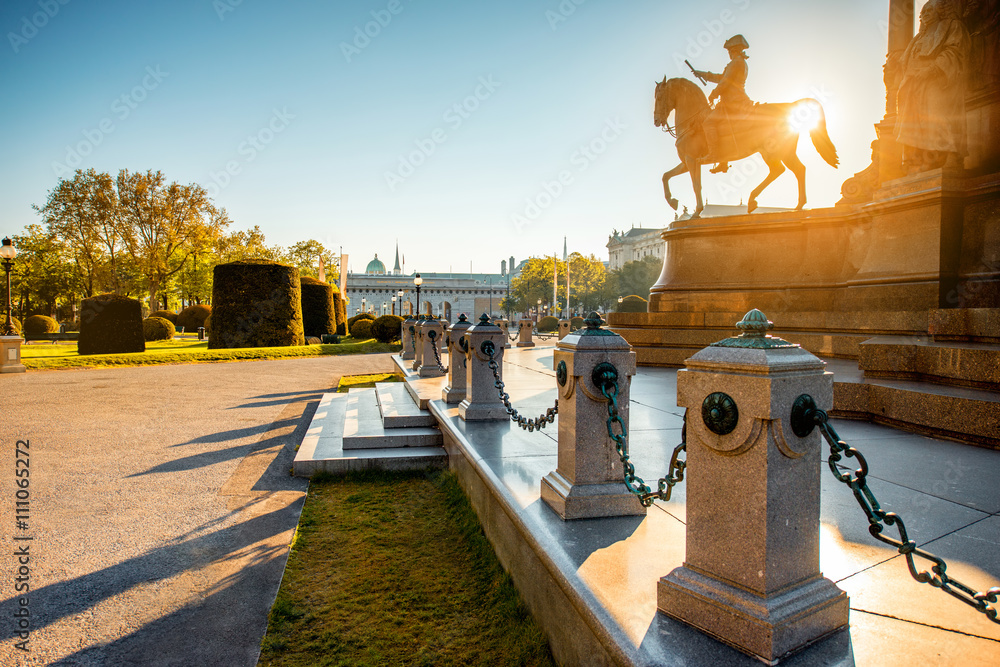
(161, 506)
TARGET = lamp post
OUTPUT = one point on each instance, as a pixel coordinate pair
(418, 281)
(538, 310)
(385, 307)
(8, 252)
(10, 342)
(393, 304)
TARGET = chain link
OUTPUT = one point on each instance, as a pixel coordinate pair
(413, 340)
(437, 355)
(634, 483)
(539, 422)
(877, 517)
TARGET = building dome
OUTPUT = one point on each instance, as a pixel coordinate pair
(375, 266)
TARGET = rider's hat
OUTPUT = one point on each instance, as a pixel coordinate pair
(736, 41)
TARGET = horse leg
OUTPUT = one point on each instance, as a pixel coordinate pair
(795, 165)
(776, 169)
(676, 171)
(694, 167)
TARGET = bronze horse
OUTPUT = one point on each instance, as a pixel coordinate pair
(766, 130)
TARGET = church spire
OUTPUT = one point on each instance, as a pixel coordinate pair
(396, 270)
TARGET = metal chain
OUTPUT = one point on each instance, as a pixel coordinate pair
(413, 340)
(539, 422)
(634, 483)
(904, 545)
(437, 355)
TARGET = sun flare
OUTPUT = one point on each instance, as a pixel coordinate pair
(805, 116)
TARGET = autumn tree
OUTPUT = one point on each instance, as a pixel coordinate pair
(43, 275)
(586, 276)
(305, 255)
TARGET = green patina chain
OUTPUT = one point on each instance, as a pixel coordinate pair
(879, 518)
(635, 484)
(538, 423)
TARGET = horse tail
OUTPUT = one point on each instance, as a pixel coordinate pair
(820, 138)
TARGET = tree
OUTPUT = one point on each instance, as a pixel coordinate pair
(43, 274)
(305, 255)
(161, 225)
(638, 277)
(587, 278)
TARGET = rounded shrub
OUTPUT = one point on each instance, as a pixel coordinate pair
(111, 324)
(632, 304)
(319, 316)
(576, 323)
(359, 317)
(256, 303)
(158, 328)
(387, 328)
(362, 329)
(39, 324)
(548, 323)
(193, 317)
(166, 314)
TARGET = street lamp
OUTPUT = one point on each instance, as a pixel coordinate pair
(7, 253)
(364, 309)
(418, 281)
(393, 304)
(538, 310)
(385, 307)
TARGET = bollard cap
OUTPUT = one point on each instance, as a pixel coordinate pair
(485, 326)
(755, 326)
(462, 324)
(593, 326)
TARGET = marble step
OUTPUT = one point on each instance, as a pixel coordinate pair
(398, 408)
(322, 448)
(363, 428)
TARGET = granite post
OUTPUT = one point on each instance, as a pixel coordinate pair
(751, 573)
(418, 344)
(564, 327)
(505, 326)
(10, 355)
(524, 333)
(431, 332)
(457, 349)
(588, 480)
(408, 338)
(482, 402)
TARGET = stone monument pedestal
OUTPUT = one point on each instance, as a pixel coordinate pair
(10, 355)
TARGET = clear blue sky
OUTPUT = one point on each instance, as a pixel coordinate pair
(183, 86)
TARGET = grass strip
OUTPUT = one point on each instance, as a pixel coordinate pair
(394, 569)
(49, 357)
(365, 381)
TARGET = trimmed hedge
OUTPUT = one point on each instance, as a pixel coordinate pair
(256, 303)
(167, 315)
(387, 328)
(193, 317)
(341, 307)
(39, 324)
(111, 324)
(362, 329)
(319, 315)
(359, 316)
(633, 304)
(158, 328)
(548, 323)
(576, 323)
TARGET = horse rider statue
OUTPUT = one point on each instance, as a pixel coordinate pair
(733, 105)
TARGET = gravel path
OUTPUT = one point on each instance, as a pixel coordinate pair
(161, 507)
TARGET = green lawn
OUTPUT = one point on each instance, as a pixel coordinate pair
(45, 356)
(394, 569)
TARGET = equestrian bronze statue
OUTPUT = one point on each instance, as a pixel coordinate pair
(736, 128)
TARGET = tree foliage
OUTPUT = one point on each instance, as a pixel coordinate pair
(587, 278)
(637, 277)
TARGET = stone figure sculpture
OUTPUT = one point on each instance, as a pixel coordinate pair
(931, 120)
(735, 129)
(734, 104)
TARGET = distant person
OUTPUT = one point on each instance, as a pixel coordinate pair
(734, 103)
(930, 122)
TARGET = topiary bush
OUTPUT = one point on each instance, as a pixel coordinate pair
(111, 324)
(362, 329)
(387, 328)
(358, 317)
(158, 328)
(256, 303)
(576, 323)
(341, 307)
(319, 316)
(193, 317)
(632, 304)
(39, 324)
(548, 323)
(166, 314)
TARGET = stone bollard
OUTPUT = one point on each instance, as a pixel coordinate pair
(482, 402)
(457, 349)
(564, 326)
(431, 333)
(418, 344)
(505, 327)
(408, 338)
(524, 333)
(751, 573)
(588, 480)
(10, 354)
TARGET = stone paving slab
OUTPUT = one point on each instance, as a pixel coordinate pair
(161, 506)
